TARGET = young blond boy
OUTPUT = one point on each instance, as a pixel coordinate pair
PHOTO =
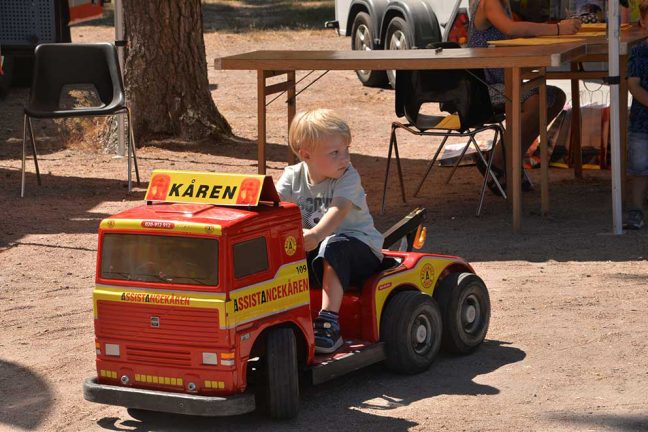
(638, 131)
(343, 246)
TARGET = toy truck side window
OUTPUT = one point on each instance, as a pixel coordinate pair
(250, 257)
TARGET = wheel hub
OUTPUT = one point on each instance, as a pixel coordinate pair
(421, 334)
(471, 314)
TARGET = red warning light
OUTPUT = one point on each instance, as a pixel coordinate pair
(159, 187)
(249, 191)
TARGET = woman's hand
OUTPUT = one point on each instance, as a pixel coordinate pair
(311, 239)
(569, 26)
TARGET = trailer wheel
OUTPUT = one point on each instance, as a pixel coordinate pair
(362, 40)
(399, 37)
(411, 330)
(281, 384)
(465, 306)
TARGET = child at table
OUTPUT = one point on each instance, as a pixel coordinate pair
(344, 247)
(493, 20)
(637, 167)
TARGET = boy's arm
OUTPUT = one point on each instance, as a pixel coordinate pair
(638, 92)
(337, 211)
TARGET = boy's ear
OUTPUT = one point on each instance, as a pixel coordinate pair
(304, 154)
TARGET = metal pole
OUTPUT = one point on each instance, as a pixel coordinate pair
(119, 35)
(615, 127)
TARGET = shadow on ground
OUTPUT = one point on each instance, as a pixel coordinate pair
(362, 400)
(27, 413)
(620, 423)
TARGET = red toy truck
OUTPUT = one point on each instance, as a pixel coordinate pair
(202, 303)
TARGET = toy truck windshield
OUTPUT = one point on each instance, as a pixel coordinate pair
(158, 258)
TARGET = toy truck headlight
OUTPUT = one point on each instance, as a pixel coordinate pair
(227, 359)
(111, 350)
(209, 358)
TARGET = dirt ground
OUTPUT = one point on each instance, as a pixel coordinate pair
(566, 350)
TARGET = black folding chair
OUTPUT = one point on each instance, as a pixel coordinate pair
(60, 65)
(463, 94)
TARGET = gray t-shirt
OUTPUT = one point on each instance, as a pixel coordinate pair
(314, 200)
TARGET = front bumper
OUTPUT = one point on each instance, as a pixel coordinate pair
(178, 403)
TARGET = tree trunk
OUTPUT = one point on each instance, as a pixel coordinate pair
(166, 71)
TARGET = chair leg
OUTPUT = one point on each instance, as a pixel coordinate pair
(389, 152)
(400, 170)
(33, 141)
(498, 135)
(461, 156)
(430, 165)
(24, 157)
(131, 148)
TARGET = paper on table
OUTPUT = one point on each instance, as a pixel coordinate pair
(534, 41)
(597, 27)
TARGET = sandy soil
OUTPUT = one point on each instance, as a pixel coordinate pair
(567, 345)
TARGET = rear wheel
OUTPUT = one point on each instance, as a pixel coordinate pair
(362, 40)
(281, 384)
(399, 37)
(465, 306)
(411, 330)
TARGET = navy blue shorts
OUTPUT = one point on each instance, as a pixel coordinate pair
(352, 260)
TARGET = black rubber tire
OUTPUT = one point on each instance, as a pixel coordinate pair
(397, 24)
(281, 384)
(5, 79)
(465, 306)
(362, 33)
(142, 415)
(401, 331)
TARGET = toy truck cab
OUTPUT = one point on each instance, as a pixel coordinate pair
(202, 302)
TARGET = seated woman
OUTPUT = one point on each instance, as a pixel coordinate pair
(492, 20)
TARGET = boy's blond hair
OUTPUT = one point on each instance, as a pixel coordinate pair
(309, 128)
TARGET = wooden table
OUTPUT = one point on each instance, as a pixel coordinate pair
(515, 61)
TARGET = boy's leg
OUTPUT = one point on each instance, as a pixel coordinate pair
(332, 290)
(638, 170)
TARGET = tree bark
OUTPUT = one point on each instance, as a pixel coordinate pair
(166, 71)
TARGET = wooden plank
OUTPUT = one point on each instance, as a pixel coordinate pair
(261, 122)
(292, 107)
(276, 88)
(405, 60)
(544, 150)
(576, 156)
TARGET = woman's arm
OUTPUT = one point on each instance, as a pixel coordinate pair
(329, 223)
(495, 14)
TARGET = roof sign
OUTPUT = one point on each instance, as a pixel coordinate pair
(210, 188)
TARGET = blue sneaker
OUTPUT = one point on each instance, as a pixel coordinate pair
(634, 220)
(327, 334)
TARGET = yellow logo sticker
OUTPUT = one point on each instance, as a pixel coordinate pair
(427, 275)
(290, 245)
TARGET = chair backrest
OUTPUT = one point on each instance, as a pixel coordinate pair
(458, 91)
(58, 65)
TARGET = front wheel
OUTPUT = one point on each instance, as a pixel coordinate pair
(411, 330)
(465, 306)
(362, 40)
(281, 386)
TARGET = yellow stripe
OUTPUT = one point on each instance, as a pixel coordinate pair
(160, 225)
(162, 298)
(287, 290)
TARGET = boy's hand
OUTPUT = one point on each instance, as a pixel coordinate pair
(311, 240)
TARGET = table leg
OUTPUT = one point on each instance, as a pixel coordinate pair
(575, 152)
(544, 152)
(261, 122)
(292, 106)
(623, 112)
(513, 82)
